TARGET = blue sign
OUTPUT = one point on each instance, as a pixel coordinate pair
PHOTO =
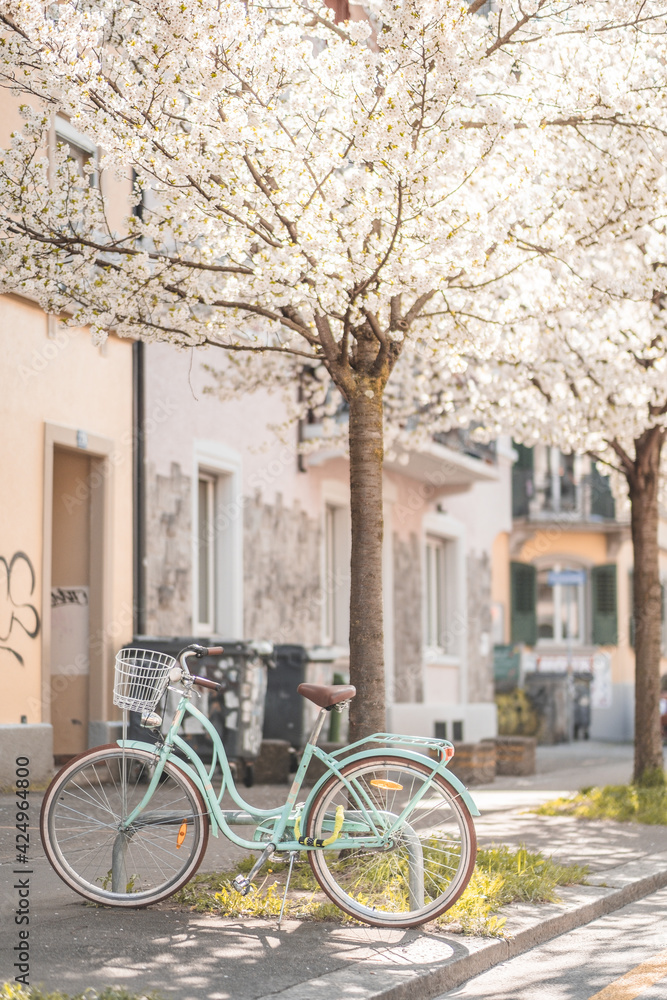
(567, 577)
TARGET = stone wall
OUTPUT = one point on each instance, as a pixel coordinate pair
(408, 669)
(168, 553)
(281, 569)
(480, 667)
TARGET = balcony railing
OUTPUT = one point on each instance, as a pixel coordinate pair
(589, 499)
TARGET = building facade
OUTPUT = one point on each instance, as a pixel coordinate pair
(65, 533)
(246, 538)
(66, 528)
(566, 576)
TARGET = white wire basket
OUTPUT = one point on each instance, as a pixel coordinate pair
(141, 678)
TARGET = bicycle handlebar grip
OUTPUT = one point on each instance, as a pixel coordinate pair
(206, 683)
(215, 650)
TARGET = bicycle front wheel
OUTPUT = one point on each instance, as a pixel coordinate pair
(93, 849)
(427, 850)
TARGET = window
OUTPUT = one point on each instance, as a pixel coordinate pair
(336, 586)
(218, 503)
(206, 564)
(437, 596)
(80, 149)
(560, 609)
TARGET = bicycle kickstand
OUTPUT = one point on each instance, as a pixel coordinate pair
(292, 858)
(242, 882)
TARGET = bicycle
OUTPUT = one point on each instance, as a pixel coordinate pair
(387, 829)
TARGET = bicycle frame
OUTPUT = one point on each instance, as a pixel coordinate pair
(277, 822)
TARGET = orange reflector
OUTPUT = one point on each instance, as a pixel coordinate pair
(384, 783)
(449, 753)
(181, 833)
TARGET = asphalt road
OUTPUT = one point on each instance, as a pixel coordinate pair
(620, 957)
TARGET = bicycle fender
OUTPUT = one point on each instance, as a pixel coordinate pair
(183, 765)
(419, 758)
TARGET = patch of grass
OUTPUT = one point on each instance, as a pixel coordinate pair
(13, 991)
(214, 893)
(624, 803)
(502, 875)
(35, 786)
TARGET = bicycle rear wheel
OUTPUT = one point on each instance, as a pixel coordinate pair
(423, 865)
(91, 848)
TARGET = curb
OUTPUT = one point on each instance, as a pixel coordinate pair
(433, 964)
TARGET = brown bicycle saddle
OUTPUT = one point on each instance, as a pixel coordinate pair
(327, 695)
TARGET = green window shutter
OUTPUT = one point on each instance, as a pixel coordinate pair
(631, 605)
(524, 459)
(523, 586)
(605, 617)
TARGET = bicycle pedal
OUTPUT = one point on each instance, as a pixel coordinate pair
(241, 884)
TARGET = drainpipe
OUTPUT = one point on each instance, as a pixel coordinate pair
(139, 507)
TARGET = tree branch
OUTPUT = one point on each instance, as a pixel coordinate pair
(359, 289)
(628, 465)
(261, 350)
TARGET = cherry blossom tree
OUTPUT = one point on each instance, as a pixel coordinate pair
(585, 368)
(337, 197)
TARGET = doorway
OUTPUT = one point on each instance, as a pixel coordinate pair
(73, 484)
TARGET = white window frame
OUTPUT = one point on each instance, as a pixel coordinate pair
(206, 623)
(65, 132)
(437, 592)
(336, 543)
(582, 600)
(453, 533)
(223, 466)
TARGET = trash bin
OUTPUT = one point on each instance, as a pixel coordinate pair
(237, 712)
(581, 704)
(284, 714)
(550, 695)
(288, 716)
(562, 702)
(506, 668)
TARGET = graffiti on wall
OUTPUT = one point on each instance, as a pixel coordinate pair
(17, 614)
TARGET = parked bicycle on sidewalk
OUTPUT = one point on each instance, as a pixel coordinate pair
(387, 829)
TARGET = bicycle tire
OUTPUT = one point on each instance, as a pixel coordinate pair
(386, 887)
(80, 827)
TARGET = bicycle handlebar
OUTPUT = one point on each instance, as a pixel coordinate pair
(199, 651)
(206, 683)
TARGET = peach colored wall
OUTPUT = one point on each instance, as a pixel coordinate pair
(68, 382)
(589, 546)
(500, 578)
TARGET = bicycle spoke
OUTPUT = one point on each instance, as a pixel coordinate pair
(86, 842)
(424, 852)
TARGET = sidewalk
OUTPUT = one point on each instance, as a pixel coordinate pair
(197, 957)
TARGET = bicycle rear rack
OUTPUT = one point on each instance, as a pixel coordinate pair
(441, 749)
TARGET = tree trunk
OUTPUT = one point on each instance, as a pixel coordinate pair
(367, 712)
(647, 602)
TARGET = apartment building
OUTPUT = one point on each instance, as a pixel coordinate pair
(245, 538)
(565, 573)
(66, 527)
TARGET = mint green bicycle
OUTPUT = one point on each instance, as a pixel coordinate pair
(388, 830)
